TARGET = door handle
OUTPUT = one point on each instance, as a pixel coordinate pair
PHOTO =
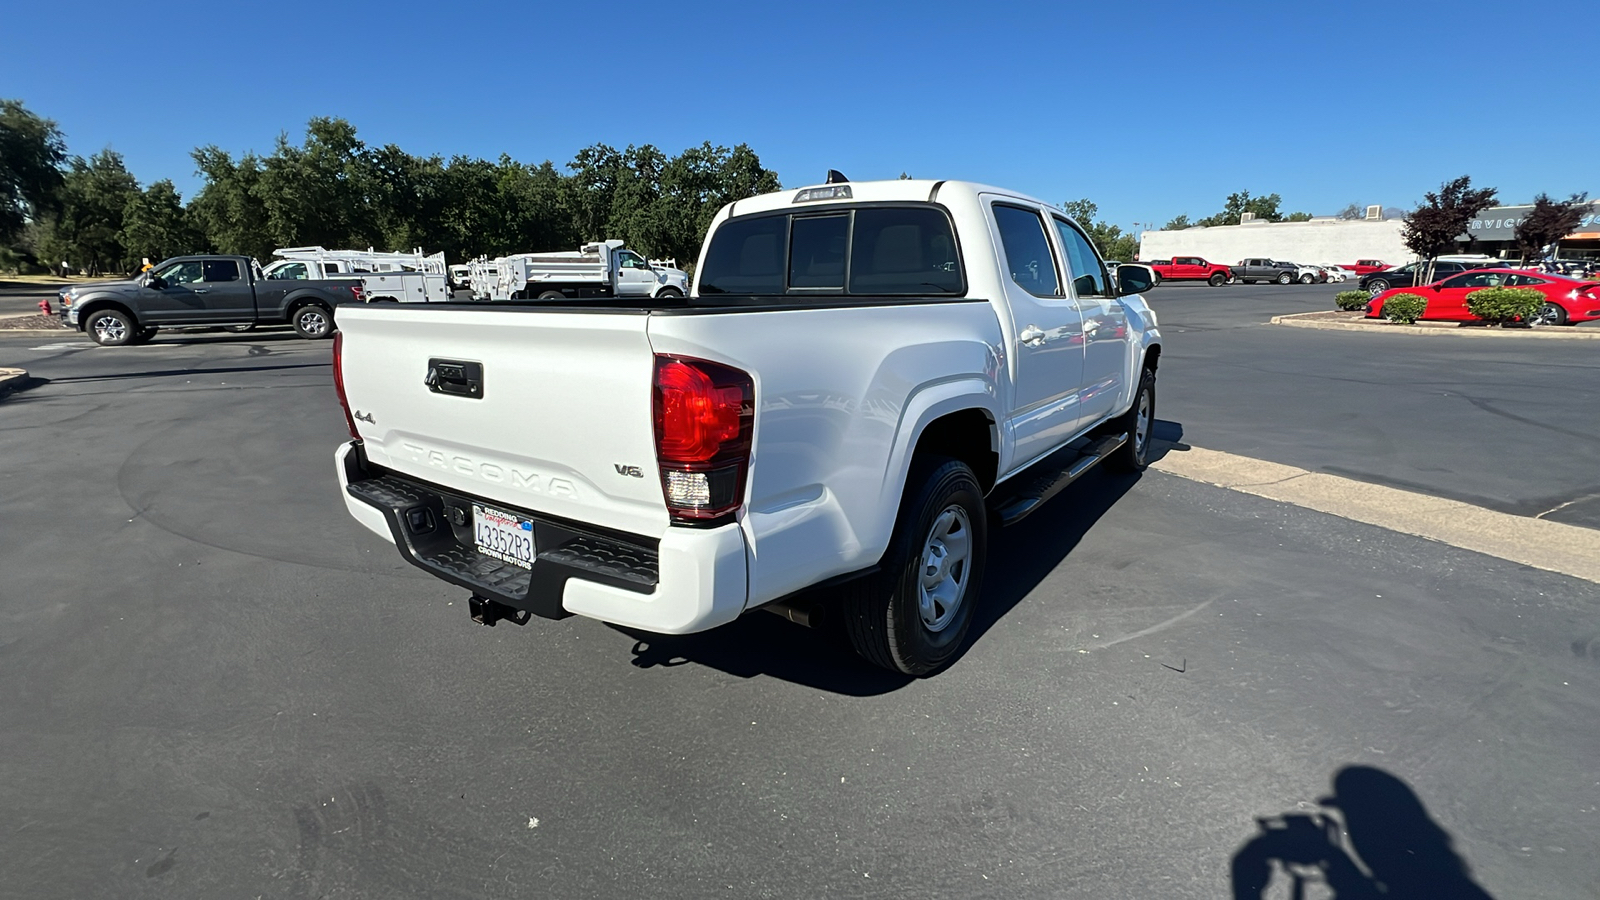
(1032, 335)
(201, 290)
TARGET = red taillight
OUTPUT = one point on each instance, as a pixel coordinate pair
(355, 290)
(703, 417)
(338, 382)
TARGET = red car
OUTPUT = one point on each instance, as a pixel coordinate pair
(1567, 300)
(1368, 266)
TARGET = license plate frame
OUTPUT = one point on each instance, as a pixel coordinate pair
(503, 535)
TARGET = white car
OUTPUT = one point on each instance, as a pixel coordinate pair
(1337, 274)
(865, 377)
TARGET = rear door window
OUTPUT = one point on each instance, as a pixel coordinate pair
(747, 257)
(221, 270)
(1027, 249)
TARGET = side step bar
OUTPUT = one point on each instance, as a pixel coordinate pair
(1017, 498)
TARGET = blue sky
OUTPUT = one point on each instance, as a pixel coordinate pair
(1149, 109)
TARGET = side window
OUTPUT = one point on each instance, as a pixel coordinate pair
(816, 251)
(1523, 281)
(332, 267)
(187, 272)
(631, 261)
(746, 257)
(1460, 281)
(896, 250)
(221, 270)
(1088, 276)
(1028, 256)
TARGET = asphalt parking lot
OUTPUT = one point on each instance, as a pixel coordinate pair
(219, 686)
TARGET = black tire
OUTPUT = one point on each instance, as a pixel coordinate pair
(1553, 314)
(1140, 424)
(552, 295)
(144, 335)
(1157, 280)
(1306, 278)
(110, 328)
(884, 616)
(1284, 278)
(1216, 279)
(314, 322)
(1377, 286)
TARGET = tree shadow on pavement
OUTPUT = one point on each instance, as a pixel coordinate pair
(1373, 838)
(820, 657)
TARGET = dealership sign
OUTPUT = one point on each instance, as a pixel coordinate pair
(1500, 223)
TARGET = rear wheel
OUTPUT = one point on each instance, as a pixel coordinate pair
(110, 328)
(313, 322)
(1283, 278)
(1553, 314)
(913, 615)
(1216, 279)
(1377, 286)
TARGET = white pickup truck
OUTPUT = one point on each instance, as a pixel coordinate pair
(599, 269)
(864, 381)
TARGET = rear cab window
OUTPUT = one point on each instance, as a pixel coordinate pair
(870, 250)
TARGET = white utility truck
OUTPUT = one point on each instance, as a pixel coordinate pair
(412, 277)
(866, 380)
(596, 271)
(481, 276)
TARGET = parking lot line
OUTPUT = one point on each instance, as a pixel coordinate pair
(1543, 544)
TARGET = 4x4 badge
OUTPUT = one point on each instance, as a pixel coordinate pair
(366, 417)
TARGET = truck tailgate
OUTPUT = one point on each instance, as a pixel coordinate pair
(560, 423)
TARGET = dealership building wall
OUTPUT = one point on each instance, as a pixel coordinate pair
(1332, 241)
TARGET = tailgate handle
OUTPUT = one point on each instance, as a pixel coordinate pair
(456, 377)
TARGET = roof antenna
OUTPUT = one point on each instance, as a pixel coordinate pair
(835, 177)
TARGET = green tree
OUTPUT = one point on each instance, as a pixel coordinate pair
(1431, 229)
(1265, 209)
(1550, 221)
(1298, 217)
(1352, 212)
(1107, 238)
(32, 151)
(228, 211)
(95, 194)
(1177, 224)
(156, 226)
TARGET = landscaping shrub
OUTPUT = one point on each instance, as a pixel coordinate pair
(1497, 306)
(1351, 300)
(1404, 308)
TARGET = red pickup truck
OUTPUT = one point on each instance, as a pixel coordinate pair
(1191, 268)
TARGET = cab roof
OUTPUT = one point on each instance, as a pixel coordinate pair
(903, 190)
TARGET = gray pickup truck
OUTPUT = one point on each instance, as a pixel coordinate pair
(228, 291)
(1257, 269)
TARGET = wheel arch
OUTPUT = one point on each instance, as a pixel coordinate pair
(87, 308)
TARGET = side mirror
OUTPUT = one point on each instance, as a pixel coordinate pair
(1134, 278)
(154, 282)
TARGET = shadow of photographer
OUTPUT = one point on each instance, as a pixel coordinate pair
(1372, 838)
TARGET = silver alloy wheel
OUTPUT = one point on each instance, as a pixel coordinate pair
(943, 582)
(1306, 278)
(1284, 278)
(110, 330)
(312, 321)
(1377, 287)
(1141, 425)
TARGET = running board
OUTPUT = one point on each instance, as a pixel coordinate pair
(1014, 500)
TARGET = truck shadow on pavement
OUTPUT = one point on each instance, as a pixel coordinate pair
(821, 657)
(1372, 838)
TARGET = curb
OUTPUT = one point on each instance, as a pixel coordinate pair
(11, 379)
(1296, 321)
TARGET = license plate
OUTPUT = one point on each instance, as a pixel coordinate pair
(502, 535)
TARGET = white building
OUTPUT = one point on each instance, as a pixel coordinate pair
(1318, 241)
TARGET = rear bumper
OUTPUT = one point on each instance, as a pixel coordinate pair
(690, 580)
